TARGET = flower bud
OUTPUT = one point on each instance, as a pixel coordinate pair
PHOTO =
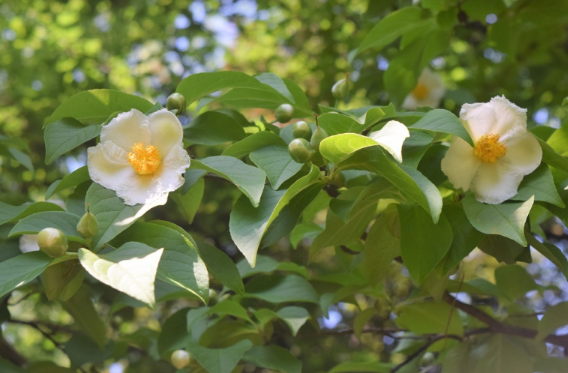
(283, 113)
(88, 225)
(180, 359)
(176, 101)
(341, 88)
(52, 242)
(317, 138)
(300, 150)
(301, 130)
(213, 297)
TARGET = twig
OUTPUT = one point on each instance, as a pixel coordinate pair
(498, 327)
(418, 352)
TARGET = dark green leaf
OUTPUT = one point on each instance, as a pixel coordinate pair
(273, 357)
(440, 120)
(75, 178)
(64, 221)
(212, 128)
(281, 289)
(66, 134)
(21, 269)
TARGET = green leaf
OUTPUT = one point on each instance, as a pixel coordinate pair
(248, 224)
(112, 214)
(466, 238)
(352, 367)
(174, 332)
(274, 358)
(96, 105)
(180, 264)
(514, 281)
(554, 318)
(502, 354)
(440, 120)
(501, 248)
(222, 360)
(253, 142)
(130, 269)
(276, 162)
(66, 134)
(430, 318)
(213, 128)
(21, 269)
(58, 277)
(335, 124)
(281, 289)
(64, 221)
(506, 219)
(85, 316)
(337, 232)
(22, 158)
(249, 179)
(392, 27)
(551, 252)
(382, 245)
(12, 213)
(423, 244)
(404, 70)
(339, 147)
(294, 316)
(412, 184)
(231, 308)
(539, 184)
(361, 320)
(551, 157)
(221, 266)
(188, 203)
(75, 178)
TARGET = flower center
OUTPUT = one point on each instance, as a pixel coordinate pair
(144, 160)
(420, 91)
(489, 149)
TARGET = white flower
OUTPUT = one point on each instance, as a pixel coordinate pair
(391, 137)
(504, 151)
(28, 243)
(140, 157)
(428, 92)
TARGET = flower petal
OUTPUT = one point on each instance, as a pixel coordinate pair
(166, 131)
(460, 164)
(127, 129)
(478, 119)
(107, 164)
(391, 137)
(511, 119)
(523, 152)
(144, 189)
(496, 183)
(410, 102)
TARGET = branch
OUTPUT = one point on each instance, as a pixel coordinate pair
(8, 352)
(419, 352)
(498, 327)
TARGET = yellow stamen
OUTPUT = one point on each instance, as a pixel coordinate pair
(144, 160)
(420, 91)
(489, 149)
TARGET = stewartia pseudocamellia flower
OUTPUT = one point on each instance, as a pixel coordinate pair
(504, 151)
(140, 157)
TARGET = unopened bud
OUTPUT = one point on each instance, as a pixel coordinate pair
(52, 242)
(284, 112)
(176, 101)
(88, 225)
(341, 88)
(180, 359)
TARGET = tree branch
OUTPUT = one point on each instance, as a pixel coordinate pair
(496, 326)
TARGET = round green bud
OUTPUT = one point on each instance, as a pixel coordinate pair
(180, 359)
(88, 226)
(283, 113)
(301, 130)
(213, 297)
(341, 88)
(52, 242)
(317, 138)
(300, 150)
(428, 359)
(176, 101)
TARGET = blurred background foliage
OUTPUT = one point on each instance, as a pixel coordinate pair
(53, 49)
